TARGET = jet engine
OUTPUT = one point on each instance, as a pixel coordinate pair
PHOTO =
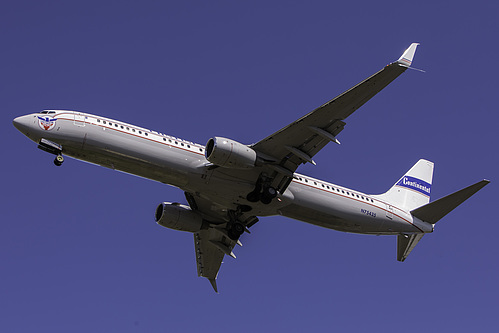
(178, 217)
(229, 153)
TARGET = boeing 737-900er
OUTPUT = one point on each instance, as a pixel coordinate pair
(228, 185)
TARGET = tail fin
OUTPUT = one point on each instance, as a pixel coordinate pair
(413, 189)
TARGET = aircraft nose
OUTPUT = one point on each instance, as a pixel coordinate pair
(23, 123)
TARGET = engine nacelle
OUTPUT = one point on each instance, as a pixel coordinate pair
(178, 217)
(228, 153)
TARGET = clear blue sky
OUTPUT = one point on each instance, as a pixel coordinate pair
(79, 249)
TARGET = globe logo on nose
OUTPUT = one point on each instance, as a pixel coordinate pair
(46, 123)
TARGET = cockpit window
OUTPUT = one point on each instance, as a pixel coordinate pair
(47, 112)
(44, 112)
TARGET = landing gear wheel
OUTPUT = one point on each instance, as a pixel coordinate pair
(236, 229)
(266, 200)
(58, 160)
(253, 196)
(268, 194)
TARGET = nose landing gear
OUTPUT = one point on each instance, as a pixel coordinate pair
(52, 148)
(59, 159)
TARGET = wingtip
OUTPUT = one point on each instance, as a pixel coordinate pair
(406, 58)
(214, 284)
(483, 183)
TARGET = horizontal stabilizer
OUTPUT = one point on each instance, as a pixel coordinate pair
(405, 244)
(437, 209)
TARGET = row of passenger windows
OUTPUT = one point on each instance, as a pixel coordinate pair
(133, 130)
(337, 190)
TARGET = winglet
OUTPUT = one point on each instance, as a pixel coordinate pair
(214, 284)
(406, 58)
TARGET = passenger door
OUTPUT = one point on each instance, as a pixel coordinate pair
(79, 119)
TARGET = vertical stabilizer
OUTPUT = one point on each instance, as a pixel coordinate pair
(413, 189)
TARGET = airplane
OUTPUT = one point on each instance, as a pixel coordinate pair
(228, 185)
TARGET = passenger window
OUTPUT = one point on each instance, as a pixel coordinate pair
(140, 132)
(122, 127)
(146, 133)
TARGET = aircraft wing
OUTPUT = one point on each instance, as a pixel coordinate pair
(298, 142)
(212, 244)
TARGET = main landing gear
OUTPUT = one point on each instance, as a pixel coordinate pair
(263, 191)
(235, 230)
(236, 227)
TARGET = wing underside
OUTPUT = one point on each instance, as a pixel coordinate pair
(301, 140)
(211, 246)
(213, 243)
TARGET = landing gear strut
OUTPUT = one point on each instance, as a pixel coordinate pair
(52, 148)
(58, 160)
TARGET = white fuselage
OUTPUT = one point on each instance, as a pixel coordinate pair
(153, 155)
